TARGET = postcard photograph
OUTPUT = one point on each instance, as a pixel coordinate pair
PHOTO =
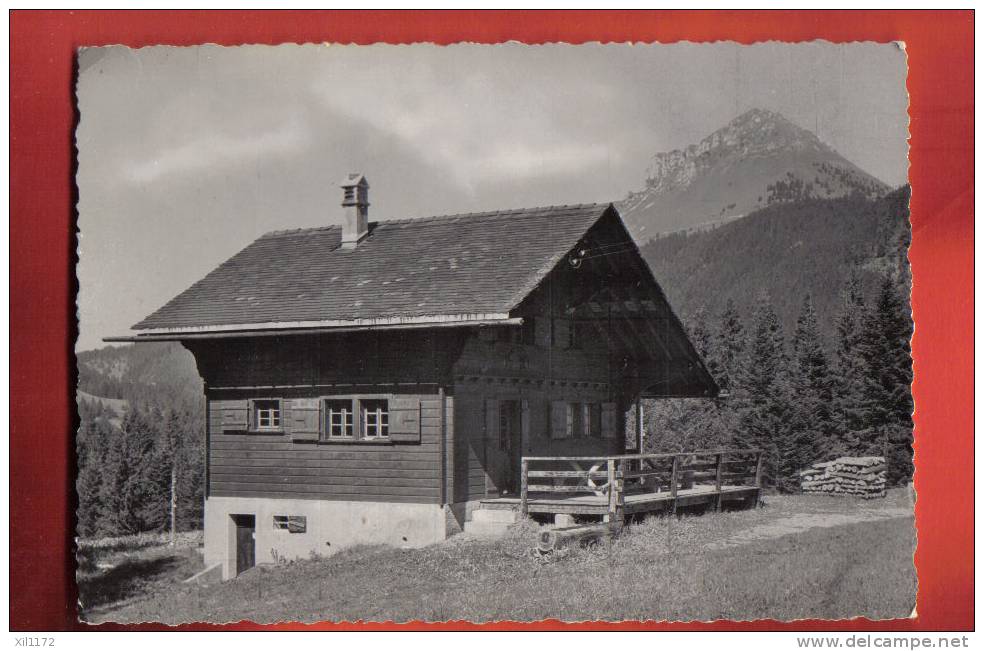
(494, 332)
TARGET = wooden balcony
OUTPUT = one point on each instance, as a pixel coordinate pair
(616, 486)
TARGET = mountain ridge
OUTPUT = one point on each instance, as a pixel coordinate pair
(758, 159)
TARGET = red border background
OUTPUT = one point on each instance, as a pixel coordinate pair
(42, 283)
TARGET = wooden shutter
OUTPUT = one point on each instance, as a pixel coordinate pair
(608, 420)
(297, 523)
(560, 425)
(404, 420)
(492, 420)
(234, 414)
(302, 418)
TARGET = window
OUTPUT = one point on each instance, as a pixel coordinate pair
(576, 420)
(266, 415)
(339, 419)
(291, 523)
(594, 420)
(573, 336)
(375, 419)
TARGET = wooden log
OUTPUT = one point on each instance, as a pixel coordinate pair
(556, 539)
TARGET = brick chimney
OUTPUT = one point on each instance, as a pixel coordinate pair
(356, 205)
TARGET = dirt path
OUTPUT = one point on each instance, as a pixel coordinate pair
(799, 522)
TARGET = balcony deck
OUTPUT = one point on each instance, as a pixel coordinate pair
(617, 486)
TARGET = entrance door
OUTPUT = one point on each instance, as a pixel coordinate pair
(507, 442)
(245, 542)
(505, 433)
(510, 445)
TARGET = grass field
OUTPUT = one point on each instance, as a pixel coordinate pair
(797, 557)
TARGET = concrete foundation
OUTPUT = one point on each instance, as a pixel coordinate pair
(331, 525)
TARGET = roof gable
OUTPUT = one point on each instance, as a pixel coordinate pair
(480, 264)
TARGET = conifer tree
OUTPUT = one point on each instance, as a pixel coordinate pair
(887, 396)
(850, 369)
(94, 433)
(730, 348)
(811, 423)
(764, 401)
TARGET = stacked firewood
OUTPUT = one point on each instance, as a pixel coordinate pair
(861, 476)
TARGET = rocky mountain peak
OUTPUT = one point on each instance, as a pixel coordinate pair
(758, 159)
(757, 132)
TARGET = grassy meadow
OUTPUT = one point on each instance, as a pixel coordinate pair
(796, 557)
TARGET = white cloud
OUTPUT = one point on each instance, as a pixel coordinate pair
(477, 128)
(215, 151)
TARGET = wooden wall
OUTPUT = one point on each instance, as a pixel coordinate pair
(273, 465)
(394, 366)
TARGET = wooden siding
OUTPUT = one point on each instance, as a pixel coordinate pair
(374, 357)
(271, 464)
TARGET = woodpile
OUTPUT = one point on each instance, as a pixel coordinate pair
(861, 476)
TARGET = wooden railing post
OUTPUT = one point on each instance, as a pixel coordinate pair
(615, 497)
(758, 477)
(717, 479)
(675, 481)
(524, 487)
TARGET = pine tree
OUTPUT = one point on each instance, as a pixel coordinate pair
(763, 421)
(850, 414)
(132, 493)
(94, 434)
(811, 422)
(887, 396)
(730, 348)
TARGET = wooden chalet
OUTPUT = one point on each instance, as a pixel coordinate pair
(381, 382)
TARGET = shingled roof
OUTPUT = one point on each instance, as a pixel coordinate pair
(475, 266)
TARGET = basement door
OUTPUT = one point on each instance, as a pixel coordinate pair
(245, 542)
(505, 425)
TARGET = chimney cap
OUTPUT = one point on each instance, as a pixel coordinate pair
(353, 179)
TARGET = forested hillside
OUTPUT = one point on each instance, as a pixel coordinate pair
(140, 443)
(787, 250)
(149, 372)
(802, 315)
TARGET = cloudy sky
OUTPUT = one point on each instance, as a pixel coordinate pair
(188, 154)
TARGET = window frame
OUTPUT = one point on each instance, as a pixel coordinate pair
(360, 428)
(575, 415)
(254, 416)
(381, 416)
(348, 420)
(594, 420)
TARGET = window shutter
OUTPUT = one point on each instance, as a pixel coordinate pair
(302, 418)
(492, 420)
(560, 426)
(234, 414)
(608, 420)
(404, 420)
